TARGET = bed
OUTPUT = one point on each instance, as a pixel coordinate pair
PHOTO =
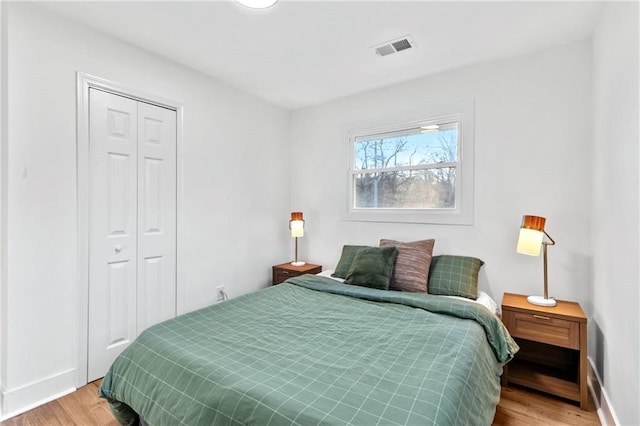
(314, 351)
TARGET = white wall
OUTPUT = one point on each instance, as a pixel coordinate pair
(3, 169)
(236, 194)
(532, 156)
(615, 321)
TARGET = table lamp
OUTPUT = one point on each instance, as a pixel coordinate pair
(530, 240)
(296, 225)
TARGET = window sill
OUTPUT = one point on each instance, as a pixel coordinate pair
(447, 217)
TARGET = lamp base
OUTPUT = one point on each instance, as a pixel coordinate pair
(298, 263)
(541, 301)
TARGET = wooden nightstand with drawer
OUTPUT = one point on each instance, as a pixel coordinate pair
(553, 347)
(287, 270)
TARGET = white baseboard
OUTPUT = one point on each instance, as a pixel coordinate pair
(600, 398)
(24, 398)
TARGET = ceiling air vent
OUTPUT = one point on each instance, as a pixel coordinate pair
(394, 46)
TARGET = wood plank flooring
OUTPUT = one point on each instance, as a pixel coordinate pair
(522, 407)
(82, 408)
(518, 407)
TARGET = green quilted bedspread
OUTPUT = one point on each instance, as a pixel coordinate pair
(313, 351)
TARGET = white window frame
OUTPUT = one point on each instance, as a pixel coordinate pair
(462, 214)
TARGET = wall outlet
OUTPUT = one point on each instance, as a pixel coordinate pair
(221, 293)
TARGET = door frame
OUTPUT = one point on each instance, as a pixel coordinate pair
(84, 82)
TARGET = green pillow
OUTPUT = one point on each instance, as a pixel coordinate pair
(372, 267)
(454, 276)
(346, 259)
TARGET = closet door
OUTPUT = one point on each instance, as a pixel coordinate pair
(132, 223)
(113, 150)
(156, 215)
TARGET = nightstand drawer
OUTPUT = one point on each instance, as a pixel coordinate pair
(543, 328)
(282, 274)
(285, 271)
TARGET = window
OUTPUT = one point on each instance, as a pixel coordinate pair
(419, 170)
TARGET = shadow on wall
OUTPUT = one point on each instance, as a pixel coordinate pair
(599, 351)
(484, 284)
(579, 285)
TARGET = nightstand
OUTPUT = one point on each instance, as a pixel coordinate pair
(553, 347)
(287, 270)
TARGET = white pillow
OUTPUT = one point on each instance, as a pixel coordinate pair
(327, 273)
(484, 299)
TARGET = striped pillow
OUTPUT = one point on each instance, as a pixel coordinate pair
(412, 265)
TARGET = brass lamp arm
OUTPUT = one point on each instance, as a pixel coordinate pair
(551, 242)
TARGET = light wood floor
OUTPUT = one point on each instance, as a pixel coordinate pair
(518, 407)
(82, 407)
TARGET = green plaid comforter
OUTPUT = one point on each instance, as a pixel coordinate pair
(313, 351)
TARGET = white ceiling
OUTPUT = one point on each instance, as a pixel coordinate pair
(301, 53)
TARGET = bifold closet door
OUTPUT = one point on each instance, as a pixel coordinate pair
(156, 215)
(132, 223)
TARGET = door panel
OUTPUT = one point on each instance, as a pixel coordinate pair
(156, 215)
(151, 311)
(112, 228)
(119, 168)
(118, 302)
(152, 197)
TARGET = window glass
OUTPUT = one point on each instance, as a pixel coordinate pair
(417, 189)
(407, 169)
(430, 145)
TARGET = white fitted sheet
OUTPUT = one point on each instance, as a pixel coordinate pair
(483, 298)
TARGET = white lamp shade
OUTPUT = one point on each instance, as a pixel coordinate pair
(530, 241)
(297, 228)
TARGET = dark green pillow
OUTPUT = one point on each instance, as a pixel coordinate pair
(454, 276)
(346, 259)
(372, 267)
